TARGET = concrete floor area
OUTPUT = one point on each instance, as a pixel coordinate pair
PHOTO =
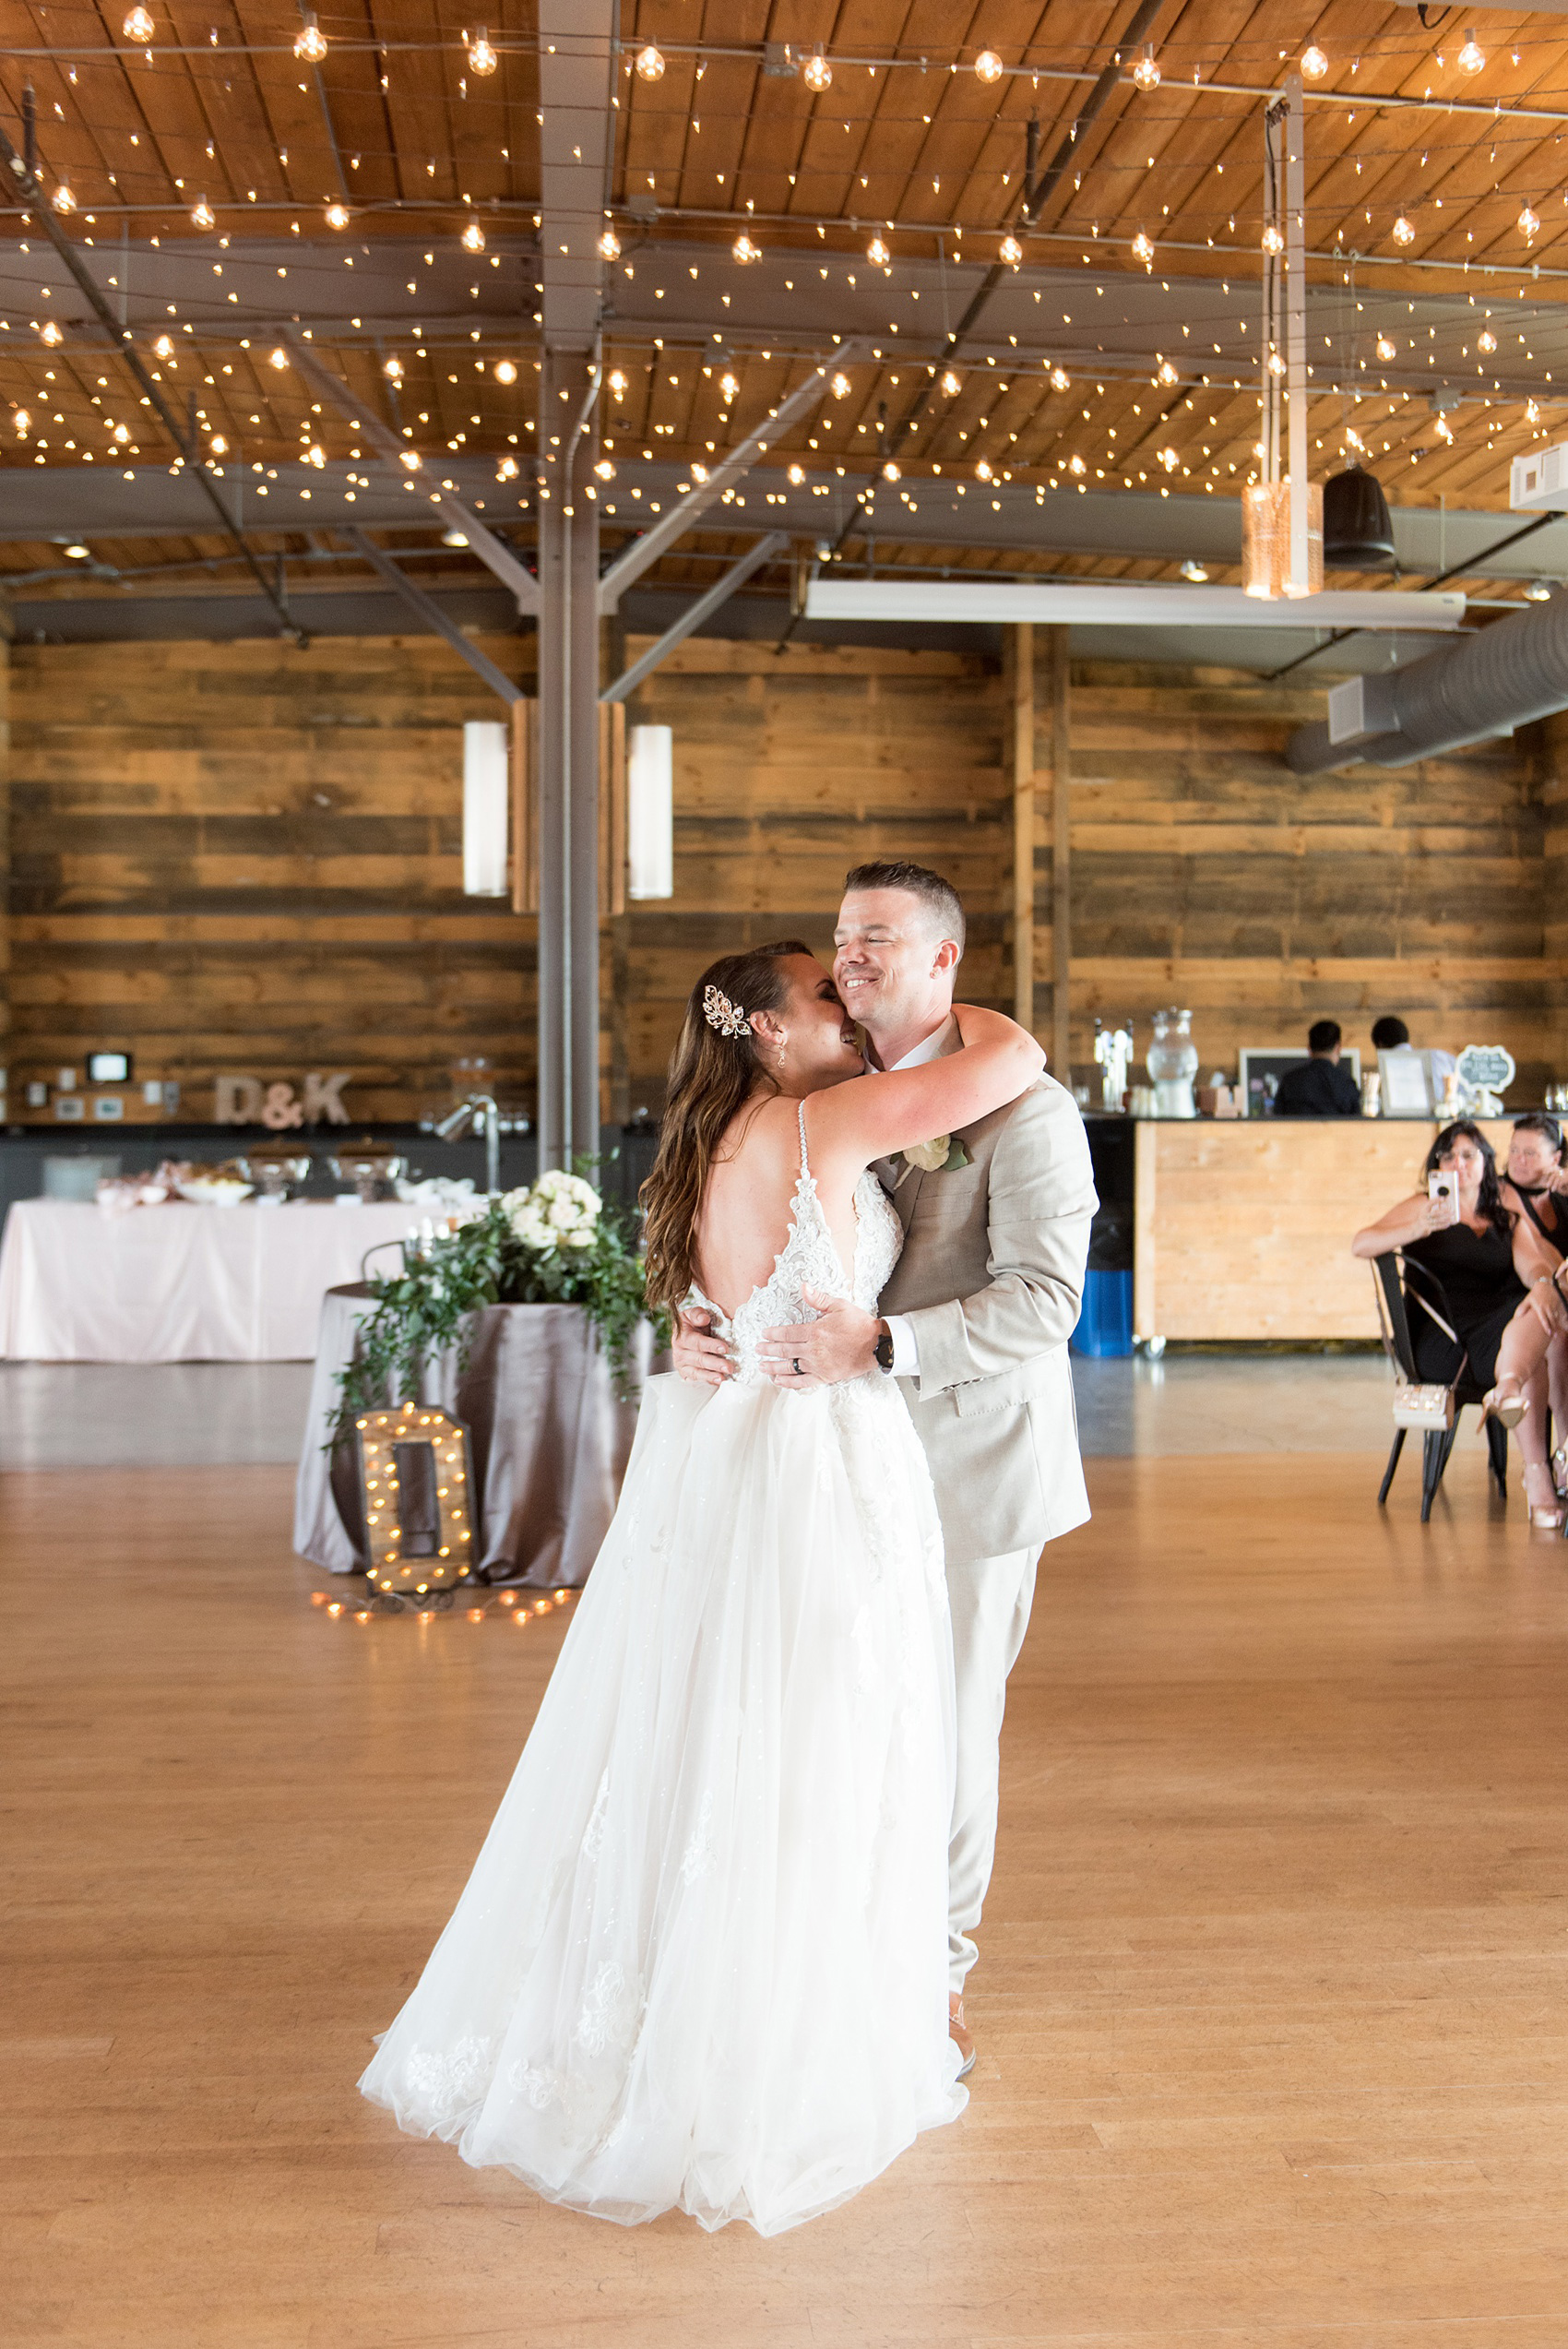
(195, 1414)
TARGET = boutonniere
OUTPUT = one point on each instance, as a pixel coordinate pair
(939, 1156)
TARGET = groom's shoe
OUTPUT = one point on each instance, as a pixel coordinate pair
(957, 2030)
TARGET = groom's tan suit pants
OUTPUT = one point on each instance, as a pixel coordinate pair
(990, 1284)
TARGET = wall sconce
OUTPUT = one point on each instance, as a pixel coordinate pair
(486, 791)
(651, 812)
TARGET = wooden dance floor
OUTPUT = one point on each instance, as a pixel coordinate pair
(1271, 2009)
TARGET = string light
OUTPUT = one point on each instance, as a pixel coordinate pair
(505, 371)
(618, 384)
(393, 370)
(744, 250)
(1145, 73)
(839, 387)
(1060, 379)
(1472, 58)
(1166, 373)
(950, 384)
(610, 246)
(877, 251)
(473, 238)
(507, 469)
(1527, 223)
(1314, 65)
(1272, 239)
(1168, 457)
(220, 446)
(138, 25)
(650, 63)
(1403, 231)
(482, 58)
(50, 333)
(412, 458)
(817, 72)
(797, 474)
(1010, 251)
(605, 471)
(311, 45)
(1486, 341)
(982, 471)
(62, 199)
(163, 348)
(21, 420)
(337, 216)
(277, 358)
(1142, 249)
(202, 213)
(989, 66)
(729, 385)
(890, 472)
(1386, 347)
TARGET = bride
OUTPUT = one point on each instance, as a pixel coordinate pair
(701, 1963)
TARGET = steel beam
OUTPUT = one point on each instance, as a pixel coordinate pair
(495, 556)
(633, 560)
(430, 612)
(693, 618)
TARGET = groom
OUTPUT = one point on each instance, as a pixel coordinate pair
(979, 1312)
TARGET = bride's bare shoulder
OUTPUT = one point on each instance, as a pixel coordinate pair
(758, 1129)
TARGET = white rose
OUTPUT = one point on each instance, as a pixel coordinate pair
(930, 1157)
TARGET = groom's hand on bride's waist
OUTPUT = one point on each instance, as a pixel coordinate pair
(840, 1343)
(698, 1355)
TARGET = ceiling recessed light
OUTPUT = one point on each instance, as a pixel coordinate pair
(1193, 571)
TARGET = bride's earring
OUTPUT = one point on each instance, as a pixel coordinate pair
(782, 1041)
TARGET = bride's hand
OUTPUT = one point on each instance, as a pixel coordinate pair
(841, 1343)
(703, 1359)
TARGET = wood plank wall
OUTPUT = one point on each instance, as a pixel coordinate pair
(243, 858)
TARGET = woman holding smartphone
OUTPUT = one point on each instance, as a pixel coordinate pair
(1498, 1291)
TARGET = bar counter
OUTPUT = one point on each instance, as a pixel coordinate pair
(1241, 1228)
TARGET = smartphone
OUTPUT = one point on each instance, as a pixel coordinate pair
(1444, 1187)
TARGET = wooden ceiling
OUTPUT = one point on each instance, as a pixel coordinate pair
(908, 144)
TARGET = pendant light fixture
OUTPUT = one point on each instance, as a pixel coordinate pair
(1357, 530)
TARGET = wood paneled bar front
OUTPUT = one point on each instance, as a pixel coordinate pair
(1243, 1227)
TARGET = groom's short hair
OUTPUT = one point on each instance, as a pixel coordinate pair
(939, 896)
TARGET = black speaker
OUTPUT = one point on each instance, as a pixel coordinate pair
(1357, 531)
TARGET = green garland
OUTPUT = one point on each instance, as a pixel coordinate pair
(553, 1242)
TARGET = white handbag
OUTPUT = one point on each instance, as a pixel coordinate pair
(1425, 1407)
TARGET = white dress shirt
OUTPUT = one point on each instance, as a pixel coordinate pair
(906, 1346)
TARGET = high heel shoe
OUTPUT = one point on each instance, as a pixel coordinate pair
(1544, 1520)
(1507, 1409)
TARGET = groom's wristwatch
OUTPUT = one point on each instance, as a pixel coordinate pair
(884, 1348)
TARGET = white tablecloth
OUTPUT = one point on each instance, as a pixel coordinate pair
(181, 1283)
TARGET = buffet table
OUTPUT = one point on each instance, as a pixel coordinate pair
(551, 1439)
(179, 1282)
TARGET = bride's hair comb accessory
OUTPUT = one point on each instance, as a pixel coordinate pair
(720, 1013)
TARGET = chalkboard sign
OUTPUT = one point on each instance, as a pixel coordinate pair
(1486, 1066)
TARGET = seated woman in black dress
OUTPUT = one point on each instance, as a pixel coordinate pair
(1536, 1185)
(1498, 1291)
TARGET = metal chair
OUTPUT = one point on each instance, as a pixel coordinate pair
(1399, 1284)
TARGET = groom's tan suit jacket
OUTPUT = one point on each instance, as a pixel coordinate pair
(991, 1280)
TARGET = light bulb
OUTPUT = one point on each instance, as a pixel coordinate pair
(504, 371)
(839, 387)
(1486, 339)
(1169, 458)
(481, 56)
(1472, 58)
(220, 446)
(507, 469)
(51, 333)
(1010, 251)
(989, 66)
(1538, 592)
(796, 476)
(315, 456)
(1060, 379)
(744, 250)
(1386, 347)
(1527, 223)
(473, 238)
(650, 63)
(890, 472)
(1193, 571)
(1145, 73)
(817, 72)
(77, 553)
(950, 384)
(202, 213)
(410, 458)
(337, 216)
(138, 25)
(63, 200)
(877, 251)
(312, 42)
(1272, 239)
(610, 246)
(1166, 374)
(1275, 362)
(729, 385)
(605, 471)
(393, 370)
(982, 471)
(1314, 65)
(1142, 249)
(1403, 231)
(21, 420)
(1076, 465)
(277, 358)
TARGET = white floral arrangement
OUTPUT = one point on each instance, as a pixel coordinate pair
(559, 1210)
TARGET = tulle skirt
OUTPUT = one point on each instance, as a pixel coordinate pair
(701, 1963)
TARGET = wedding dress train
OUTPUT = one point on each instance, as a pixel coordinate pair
(701, 1961)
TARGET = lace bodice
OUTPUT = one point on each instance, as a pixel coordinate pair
(810, 1260)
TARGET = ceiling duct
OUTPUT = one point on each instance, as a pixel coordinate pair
(1512, 672)
(1358, 530)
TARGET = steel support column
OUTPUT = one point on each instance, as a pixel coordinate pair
(568, 764)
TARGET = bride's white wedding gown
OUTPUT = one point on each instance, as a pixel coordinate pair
(701, 1963)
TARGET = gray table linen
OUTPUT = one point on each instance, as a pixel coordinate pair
(550, 1440)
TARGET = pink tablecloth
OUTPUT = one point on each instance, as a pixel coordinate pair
(180, 1283)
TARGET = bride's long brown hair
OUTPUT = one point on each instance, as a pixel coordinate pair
(710, 1076)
